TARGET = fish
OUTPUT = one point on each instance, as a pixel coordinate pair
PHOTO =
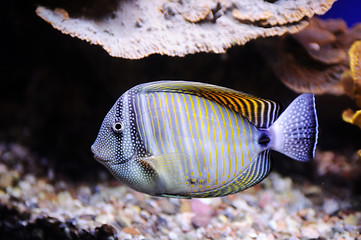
(186, 139)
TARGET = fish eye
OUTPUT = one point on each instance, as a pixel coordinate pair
(118, 126)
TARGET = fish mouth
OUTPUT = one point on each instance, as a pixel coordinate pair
(95, 155)
(92, 148)
(105, 160)
(97, 158)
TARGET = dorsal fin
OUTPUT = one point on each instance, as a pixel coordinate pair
(260, 112)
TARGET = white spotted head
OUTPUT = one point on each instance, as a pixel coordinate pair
(117, 140)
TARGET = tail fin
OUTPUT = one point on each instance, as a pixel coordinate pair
(294, 133)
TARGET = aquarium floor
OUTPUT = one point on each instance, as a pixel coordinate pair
(36, 203)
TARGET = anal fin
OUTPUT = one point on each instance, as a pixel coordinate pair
(254, 174)
(175, 196)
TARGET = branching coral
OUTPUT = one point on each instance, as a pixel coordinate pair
(138, 28)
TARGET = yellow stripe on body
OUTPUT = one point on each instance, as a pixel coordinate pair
(200, 114)
(159, 130)
(251, 136)
(248, 177)
(182, 122)
(240, 140)
(191, 131)
(229, 153)
(257, 118)
(164, 129)
(170, 122)
(215, 142)
(151, 120)
(209, 134)
(245, 138)
(161, 110)
(177, 126)
(233, 142)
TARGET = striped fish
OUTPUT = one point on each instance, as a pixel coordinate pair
(188, 139)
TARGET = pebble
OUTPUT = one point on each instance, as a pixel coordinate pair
(353, 219)
(172, 235)
(124, 221)
(310, 232)
(167, 207)
(330, 206)
(131, 231)
(281, 184)
(6, 179)
(185, 220)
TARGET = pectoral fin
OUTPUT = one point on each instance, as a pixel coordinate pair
(169, 168)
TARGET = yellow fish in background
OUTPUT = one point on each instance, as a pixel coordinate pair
(189, 139)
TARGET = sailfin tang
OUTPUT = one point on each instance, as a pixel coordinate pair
(260, 112)
(294, 133)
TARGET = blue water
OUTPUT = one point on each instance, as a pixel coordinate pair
(349, 10)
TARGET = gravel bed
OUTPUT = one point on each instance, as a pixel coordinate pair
(37, 204)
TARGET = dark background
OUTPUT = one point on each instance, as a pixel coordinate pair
(55, 90)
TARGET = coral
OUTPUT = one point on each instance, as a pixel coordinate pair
(315, 59)
(138, 28)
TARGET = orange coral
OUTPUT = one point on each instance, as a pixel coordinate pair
(352, 117)
(355, 67)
